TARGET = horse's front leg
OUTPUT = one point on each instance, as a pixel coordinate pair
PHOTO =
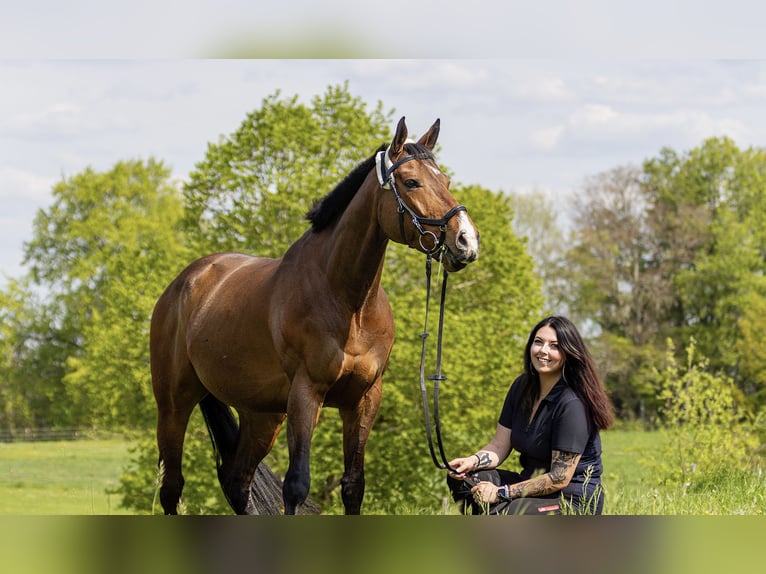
(357, 424)
(303, 406)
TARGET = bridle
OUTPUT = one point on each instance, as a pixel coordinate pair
(385, 169)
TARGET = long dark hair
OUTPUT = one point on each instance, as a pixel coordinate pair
(579, 372)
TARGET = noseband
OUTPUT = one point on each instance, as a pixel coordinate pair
(384, 168)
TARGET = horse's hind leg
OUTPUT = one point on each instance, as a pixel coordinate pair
(357, 424)
(176, 397)
(171, 428)
(257, 433)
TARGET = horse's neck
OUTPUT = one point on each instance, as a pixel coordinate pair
(355, 250)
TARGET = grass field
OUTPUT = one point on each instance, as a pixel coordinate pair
(61, 477)
(72, 478)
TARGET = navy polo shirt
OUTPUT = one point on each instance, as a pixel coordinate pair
(560, 423)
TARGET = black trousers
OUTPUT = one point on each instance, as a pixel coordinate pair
(461, 493)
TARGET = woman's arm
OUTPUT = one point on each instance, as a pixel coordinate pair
(563, 465)
(490, 456)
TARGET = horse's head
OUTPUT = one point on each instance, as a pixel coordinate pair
(419, 209)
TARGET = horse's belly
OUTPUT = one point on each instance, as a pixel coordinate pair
(241, 374)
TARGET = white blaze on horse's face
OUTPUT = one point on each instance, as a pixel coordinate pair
(467, 238)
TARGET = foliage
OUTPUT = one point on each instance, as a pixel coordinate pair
(254, 187)
(710, 432)
(675, 248)
(103, 252)
(32, 352)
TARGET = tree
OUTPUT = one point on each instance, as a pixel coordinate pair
(103, 252)
(674, 249)
(711, 203)
(254, 186)
(536, 220)
(616, 283)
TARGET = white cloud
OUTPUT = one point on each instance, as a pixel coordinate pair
(546, 138)
(542, 89)
(687, 127)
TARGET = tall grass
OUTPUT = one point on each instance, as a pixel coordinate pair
(633, 489)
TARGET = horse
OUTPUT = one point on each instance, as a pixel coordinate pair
(279, 339)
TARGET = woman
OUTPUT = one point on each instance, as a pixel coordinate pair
(552, 416)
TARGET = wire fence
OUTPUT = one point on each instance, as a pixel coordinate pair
(44, 434)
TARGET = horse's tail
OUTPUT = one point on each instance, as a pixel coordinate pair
(221, 425)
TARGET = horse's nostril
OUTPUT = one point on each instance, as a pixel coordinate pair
(461, 240)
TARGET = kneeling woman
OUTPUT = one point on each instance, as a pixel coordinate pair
(552, 416)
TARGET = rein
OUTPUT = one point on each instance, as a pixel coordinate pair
(384, 170)
(437, 377)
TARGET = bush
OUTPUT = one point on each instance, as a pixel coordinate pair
(709, 432)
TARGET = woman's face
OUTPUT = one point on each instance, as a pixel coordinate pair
(546, 357)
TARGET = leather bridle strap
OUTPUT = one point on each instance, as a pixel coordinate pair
(384, 170)
(437, 377)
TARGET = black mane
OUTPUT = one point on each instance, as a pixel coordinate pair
(332, 205)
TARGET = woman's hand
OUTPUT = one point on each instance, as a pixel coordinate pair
(485, 493)
(462, 465)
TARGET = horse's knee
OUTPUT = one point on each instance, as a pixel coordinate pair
(295, 490)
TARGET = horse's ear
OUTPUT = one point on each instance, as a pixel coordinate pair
(397, 145)
(429, 138)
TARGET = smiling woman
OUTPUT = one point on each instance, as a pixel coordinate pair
(552, 416)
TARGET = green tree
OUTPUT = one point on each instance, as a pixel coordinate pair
(674, 249)
(32, 351)
(254, 187)
(710, 204)
(615, 284)
(103, 252)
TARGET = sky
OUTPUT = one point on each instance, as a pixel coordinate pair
(534, 111)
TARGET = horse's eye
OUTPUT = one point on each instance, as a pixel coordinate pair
(411, 183)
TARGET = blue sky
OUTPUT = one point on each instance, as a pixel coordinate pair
(518, 119)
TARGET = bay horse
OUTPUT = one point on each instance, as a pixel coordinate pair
(278, 339)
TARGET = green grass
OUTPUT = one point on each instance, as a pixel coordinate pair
(72, 478)
(61, 477)
(632, 489)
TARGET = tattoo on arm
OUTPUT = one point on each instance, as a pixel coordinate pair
(483, 460)
(533, 487)
(562, 465)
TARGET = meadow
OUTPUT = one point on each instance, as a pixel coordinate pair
(74, 477)
(61, 477)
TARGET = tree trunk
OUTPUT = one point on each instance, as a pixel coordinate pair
(266, 492)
